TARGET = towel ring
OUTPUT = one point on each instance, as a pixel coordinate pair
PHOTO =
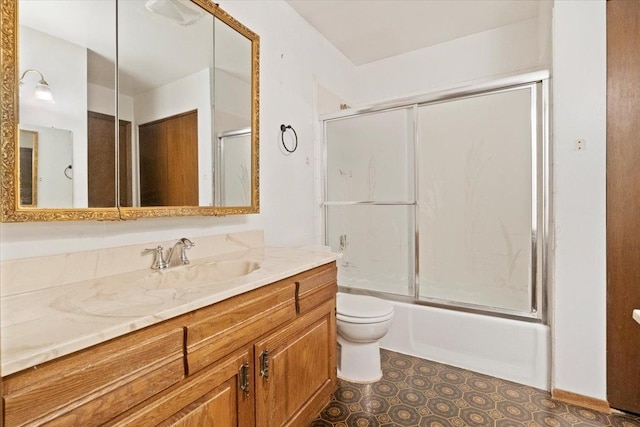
(283, 129)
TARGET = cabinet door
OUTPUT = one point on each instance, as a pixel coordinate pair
(296, 377)
(217, 407)
(213, 397)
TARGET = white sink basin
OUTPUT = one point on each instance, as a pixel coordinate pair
(224, 270)
(128, 297)
(199, 274)
(636, 315)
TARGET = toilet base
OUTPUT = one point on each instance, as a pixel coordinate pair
(359, 362)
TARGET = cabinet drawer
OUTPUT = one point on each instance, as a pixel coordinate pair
(315, 287)
(92, 386)
(215, 331)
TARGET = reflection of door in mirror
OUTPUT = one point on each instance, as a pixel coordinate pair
(168, 161)
(233, 165)
(101, 158)
(28, 168)
(54, 182)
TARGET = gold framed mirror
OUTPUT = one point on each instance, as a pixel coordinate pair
(187, 73)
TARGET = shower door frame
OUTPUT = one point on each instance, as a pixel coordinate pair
(219, 165)
(538, 83)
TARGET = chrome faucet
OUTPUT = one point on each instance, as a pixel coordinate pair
(160, 262)
(183, 244)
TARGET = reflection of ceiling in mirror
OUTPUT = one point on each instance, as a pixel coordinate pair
(229, 54)
(185, 50)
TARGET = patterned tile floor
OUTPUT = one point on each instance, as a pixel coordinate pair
(417, 392)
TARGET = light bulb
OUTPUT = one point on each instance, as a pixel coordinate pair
(43, 92)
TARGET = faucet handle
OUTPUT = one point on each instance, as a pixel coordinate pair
(159, 262)
(186, 244)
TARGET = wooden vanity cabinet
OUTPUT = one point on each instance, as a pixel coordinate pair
(263, 358)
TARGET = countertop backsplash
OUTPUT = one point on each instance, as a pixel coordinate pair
(29, 274)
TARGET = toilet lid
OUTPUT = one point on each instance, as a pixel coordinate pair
(362, 306)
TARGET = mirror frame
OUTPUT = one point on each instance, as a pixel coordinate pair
(12, 211)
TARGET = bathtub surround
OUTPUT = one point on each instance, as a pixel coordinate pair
(477, 181)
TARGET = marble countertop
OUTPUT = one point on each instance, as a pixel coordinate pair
(41, 325)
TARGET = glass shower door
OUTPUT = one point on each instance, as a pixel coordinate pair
(477, 200)
(370, 200)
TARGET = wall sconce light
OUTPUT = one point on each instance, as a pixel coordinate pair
(43, 91)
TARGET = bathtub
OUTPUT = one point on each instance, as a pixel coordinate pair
(510, 349)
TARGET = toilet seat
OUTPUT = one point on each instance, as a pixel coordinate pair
(364, 320)
(362, 309)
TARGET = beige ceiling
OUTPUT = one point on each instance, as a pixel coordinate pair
(369, 30)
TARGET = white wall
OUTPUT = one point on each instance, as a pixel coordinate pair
(227, 88)
(232, 112)
(579, 283)
(293, 57)
(64, 67)
(102, 100)
(490, 54)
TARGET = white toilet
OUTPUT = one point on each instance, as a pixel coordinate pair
(361, 322)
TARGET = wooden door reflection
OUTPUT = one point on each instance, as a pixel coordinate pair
(28, 168)
(169, 161)
(101, 158)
